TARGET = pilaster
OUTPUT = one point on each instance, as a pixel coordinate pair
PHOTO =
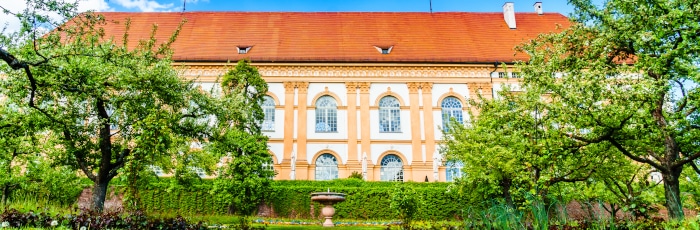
(302, 87)
(416, 149)
(364, 121)
(352, 123)
(428, 119)
(289, 90)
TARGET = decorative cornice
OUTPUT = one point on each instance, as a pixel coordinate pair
(349, 71)
(476, 86)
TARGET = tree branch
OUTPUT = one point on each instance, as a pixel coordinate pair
(690, 158)
(633, 157)
(681, 107)
(695, 167)
(119, 163)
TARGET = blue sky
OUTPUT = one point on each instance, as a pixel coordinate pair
(560, 6)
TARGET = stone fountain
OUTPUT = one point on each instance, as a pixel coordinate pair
(328, 199)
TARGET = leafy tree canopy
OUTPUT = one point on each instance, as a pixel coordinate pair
(116, 109)
(627, 72)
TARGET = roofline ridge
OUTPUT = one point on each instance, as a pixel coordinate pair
(315, 12)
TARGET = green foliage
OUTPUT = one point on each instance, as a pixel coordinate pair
(517, 146)
(93, 220)
(356, 175)
(405, 202)
(626, 72)
(59, 184)
(291, 199)
(115, 108)
(244, 180)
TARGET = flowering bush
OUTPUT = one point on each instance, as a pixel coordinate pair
(93, 220)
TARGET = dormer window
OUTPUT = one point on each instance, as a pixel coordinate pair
(384, 49)
(243, 49)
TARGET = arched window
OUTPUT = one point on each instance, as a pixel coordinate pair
(268, 165)
(326, 115)
(451, 109)
(453, 170)
(389, 115)
(326, 167)
(268, 107)
(392, 168)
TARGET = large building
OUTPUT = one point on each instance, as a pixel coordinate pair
(356, 92)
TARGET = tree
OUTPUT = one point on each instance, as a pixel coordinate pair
(17, 142)
(517, 145)
(627, 71)
(245, 179)
(108, 104)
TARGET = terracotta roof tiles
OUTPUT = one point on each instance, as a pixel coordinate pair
(455, 37)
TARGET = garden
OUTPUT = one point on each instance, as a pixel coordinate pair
(601, 134)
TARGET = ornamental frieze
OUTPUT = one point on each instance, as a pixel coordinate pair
(348, 71)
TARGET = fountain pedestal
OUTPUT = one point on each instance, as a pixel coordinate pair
(328, 199)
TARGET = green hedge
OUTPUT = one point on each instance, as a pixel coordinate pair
(291, 199)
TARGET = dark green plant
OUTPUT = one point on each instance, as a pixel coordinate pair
(244, 180)
(624, 74)
(356, 175)
(95, 220)
(405, 202)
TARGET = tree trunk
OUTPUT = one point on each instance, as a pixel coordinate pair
(505, 186)
(672, 193)
(99, 193)
(5, 193)
(8, 171)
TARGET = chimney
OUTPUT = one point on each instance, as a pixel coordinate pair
(538, 8)
(509, 14)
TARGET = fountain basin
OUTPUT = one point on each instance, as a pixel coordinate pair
(328, 199)
(324, 197)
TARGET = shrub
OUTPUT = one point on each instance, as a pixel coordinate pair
(94, 220)
(405, 202)
(356, 175)
(291, 199)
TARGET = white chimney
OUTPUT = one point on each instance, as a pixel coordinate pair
(538, 8)
(509, 14)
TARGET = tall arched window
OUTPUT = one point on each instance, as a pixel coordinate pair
(268, 165)
(326, 115)
(451, 109)
(326, 167)
(453, 170)
(389, 115)
(268, 107)
(392, 168)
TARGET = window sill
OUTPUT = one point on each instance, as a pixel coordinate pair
(391, 132)
(326, 131)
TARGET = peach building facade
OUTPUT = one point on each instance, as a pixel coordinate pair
(356, 92)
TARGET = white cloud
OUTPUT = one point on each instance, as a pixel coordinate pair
(143, 5)
(94, 5)
(10, 21)
(17, 6)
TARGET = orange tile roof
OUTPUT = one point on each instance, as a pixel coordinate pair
(455, 37)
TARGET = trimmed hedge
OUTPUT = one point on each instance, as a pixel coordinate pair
(365, 200)
(291, 199)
